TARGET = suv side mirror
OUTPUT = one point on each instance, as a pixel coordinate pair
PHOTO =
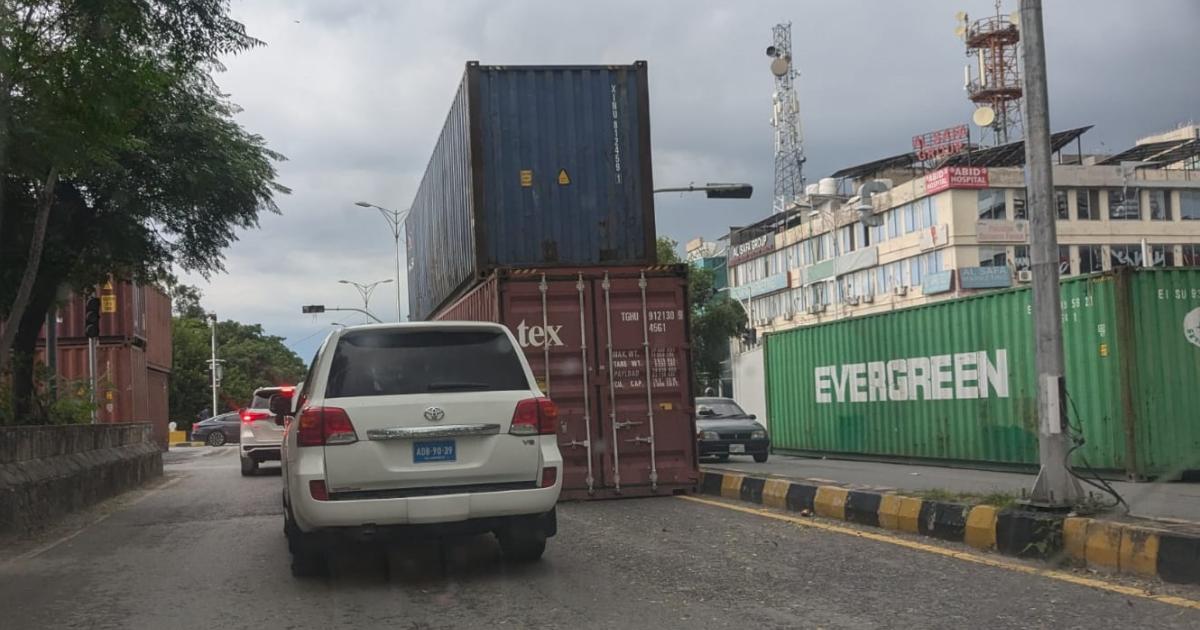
(753, 417)
(280, 406)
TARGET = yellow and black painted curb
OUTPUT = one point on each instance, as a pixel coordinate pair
(1106, 545)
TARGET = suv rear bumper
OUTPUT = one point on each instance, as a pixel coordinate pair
(261, 452)
(546, 523)
(438, 510)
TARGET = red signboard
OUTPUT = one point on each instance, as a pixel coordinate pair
(956, 177)
(940, 143)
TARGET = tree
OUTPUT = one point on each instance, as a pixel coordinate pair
(114, 100)
(715, 318)
(252, 359)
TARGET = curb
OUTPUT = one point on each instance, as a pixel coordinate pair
(1098, 544)
(186, 444)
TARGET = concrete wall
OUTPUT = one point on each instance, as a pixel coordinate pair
(49, 471)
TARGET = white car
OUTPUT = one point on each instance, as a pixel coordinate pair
(403, 431)
(262, 430)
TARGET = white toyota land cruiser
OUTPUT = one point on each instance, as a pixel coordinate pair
(418, 430)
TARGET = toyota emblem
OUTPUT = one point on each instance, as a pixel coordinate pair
(434, 414)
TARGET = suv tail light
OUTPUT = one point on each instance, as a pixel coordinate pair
(250, 415)
(325, 426)
(535, 416)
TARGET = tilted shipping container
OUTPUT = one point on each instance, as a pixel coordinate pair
(535, 166)
(610, 347)
(955, 381)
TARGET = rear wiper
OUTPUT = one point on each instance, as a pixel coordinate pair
(450, 386)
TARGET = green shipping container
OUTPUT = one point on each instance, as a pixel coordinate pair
(954, 381)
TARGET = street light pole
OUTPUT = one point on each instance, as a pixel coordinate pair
(395, 219)
(1055, 486)
(212, 317)
(365, 290)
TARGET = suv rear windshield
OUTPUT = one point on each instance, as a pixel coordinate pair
(262, 397)
(384, 363)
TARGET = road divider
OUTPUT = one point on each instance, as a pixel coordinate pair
(1169, 551)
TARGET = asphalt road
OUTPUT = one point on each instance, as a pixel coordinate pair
(206, 550)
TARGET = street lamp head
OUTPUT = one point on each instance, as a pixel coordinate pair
(385, 281)
(363, 204)
(343, 282)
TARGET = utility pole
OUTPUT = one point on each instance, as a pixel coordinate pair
(212, 318)
(1055, 487)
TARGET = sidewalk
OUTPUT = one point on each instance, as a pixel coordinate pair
(1168, 500)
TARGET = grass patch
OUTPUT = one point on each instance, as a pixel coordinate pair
(997, 499)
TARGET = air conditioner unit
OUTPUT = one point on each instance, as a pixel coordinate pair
(816, 308)
(1025, 275)
(852, 300)
(868, 298)
(900, 291)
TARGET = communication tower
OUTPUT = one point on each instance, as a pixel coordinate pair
(785, 117)
(995, 85)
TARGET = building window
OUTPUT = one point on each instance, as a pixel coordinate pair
(1064, 260)
(1125, 256)
(1090, 260)
(1020, 213)
(1087, 205)
(1162, 255)
(1191, 255)
(893, 221)
(1021, 258)
(1189, 205)
(1060, 202)
(1124, 205)
(991, 204)
(993, 256)
(1160, 205)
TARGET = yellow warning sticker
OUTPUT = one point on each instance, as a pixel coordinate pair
(108, 304)
(563, 178)
(526, 179)
(1103, 349)
(108, 286)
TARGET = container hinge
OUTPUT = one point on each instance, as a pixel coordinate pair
(576, 444)
(625, 424)
(645, 440)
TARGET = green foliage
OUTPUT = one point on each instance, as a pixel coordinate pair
(715, 318)
(71, 406)
(252, 359)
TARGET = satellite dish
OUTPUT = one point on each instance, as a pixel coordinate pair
(1015, 18)
(984, 116)
(770, 51)
(780, 67)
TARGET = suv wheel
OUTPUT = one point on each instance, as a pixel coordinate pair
(522, 545)
(249, 466)
(216, 438)
(761, 458)
(308, 558)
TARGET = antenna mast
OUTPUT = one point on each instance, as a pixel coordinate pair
(785, 117)
(995, 85)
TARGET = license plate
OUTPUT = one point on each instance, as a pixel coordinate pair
(434, 451)
(737, 448)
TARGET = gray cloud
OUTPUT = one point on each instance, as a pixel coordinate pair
(356, 93)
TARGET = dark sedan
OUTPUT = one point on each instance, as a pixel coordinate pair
(723, 429)
(218, 430)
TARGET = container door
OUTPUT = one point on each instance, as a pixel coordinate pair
(646, 403)
(553, 321)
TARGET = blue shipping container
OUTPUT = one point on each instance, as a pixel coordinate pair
(535, 166)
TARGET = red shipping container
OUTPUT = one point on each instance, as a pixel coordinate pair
(610, 347)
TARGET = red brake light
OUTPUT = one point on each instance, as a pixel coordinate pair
(317, 489)
(325, 426)
(250, 415)
(287, 390)
(549, 476)
(534, 416)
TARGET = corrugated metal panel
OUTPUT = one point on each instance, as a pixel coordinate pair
(1166, 315)
(563, 331)
(535, 166)
(158, 328)
(849, 386)
(143, 311)
(123, 392)
(158, 389)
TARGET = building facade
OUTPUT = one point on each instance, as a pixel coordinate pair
(962, 228)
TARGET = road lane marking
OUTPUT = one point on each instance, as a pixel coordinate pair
(989, 561)
(28, 555)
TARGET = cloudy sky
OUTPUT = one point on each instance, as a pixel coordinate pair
(354, 93)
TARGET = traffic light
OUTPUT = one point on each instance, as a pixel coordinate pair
(91, 318)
